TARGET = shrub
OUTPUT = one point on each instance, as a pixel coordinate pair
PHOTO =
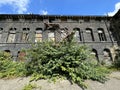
(8, 68)
(48, 60)
(29, 86)
(117, 60)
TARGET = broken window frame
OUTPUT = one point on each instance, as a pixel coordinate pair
(101, 35)
(52, 36)
(25, 35)
(11, 35)
(78, 34)
(38, 35)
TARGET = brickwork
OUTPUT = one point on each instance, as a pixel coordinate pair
(19, 31)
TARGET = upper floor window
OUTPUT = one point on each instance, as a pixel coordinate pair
(90, 34)
(77, 35)
(1, 32)
(38, 35)
(25, 34)
(51, 36)
(0, 36)
(63, 33)
(101, 34)
(11, 35)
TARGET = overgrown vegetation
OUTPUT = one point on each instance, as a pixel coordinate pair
(70, 60)
(116, 63)
(117, 59)
(29, 86)
(50, 60)
(10, 69)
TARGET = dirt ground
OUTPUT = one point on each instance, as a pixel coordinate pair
(19, 83)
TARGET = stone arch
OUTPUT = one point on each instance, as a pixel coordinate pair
(95, 54)
(107, 56)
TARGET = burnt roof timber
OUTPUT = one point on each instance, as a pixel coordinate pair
(36, 16)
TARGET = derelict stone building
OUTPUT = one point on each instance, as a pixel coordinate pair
(101, 33)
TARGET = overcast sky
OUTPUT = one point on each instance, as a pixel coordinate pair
(60, 7)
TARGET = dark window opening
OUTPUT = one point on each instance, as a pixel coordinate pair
(90, 33)
(95, 54)
(101, 35)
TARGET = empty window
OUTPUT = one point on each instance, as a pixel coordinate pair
(90, 34)
(11, 35)
(101, 35)
(51, 36)
(25, 35)
(0, 35)
(77, 34)
(63, 34)
(38, 35)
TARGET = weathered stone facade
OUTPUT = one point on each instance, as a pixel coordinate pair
(18, 31)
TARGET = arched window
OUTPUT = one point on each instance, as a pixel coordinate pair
(90, 34)
(11, 35)
(101, 34)
(107, 55)
(77, 34)
(25, 35)
(38, 35)
(95, 54)
(1, 29)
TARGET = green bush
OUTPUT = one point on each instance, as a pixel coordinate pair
(8, 68)
(48, 60)
(30, 86)
(117, 60)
